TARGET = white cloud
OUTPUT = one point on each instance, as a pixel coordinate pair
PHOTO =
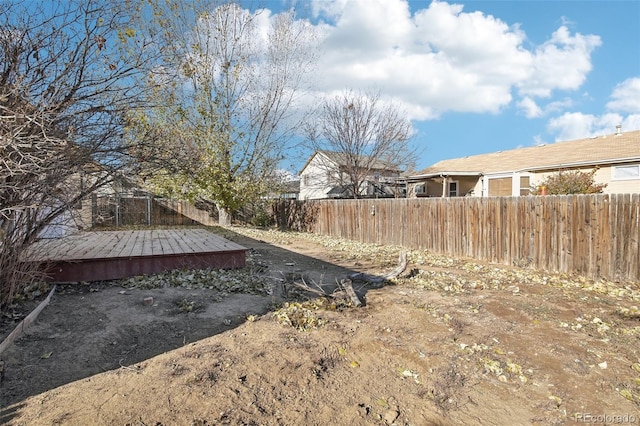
(558, 105)
(625, 99)
(626, 96)
(441, 58)
(631, 122)
(328, 9)
(532, 109)
(562, 63)
(529, 107)
(576, 125)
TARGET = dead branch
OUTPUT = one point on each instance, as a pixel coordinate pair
(377, 279)
(346, 286)
(305, 287)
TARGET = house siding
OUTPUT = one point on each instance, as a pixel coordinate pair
(321, 174)
(619, 186)
(318, 177)
(603, 175)
(521, 183)
(623, 187)
(313, 182)
(467, 186)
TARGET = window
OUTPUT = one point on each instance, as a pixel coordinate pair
(419, 188)
(453, 188)
(500, 187)
(626, 172)
(525, 185)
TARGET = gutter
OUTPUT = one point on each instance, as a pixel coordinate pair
(443, 174)
(527, 169)
(581, 163)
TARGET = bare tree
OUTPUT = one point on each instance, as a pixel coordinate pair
(65, 85)
(361, 138)
(232, 77)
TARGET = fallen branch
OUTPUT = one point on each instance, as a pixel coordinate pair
(377, 279)
(305, 287)
(346, 286)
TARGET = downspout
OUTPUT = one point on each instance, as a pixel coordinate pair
(515, 184)
(485, 186)
(445, 180)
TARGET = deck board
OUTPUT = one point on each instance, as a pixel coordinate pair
(93, 256)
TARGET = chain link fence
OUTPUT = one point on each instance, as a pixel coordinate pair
(131, 210)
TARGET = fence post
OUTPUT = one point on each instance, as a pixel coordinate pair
(149, 210)
(94, 209)
(594, 235)
(118, 201)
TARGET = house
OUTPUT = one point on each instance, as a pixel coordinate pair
(288, 190)
(326, 175)
(616, 158)
(86, 212)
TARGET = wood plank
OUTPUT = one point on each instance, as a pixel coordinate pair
(111, 244)
(594, 235)
(634, 239)
(119, 253)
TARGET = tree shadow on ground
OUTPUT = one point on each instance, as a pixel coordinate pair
(90, 328)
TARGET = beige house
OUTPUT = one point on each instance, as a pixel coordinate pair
(325, 175)
(616, 157)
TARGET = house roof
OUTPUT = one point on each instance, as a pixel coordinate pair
(340, 159)
(346, 191)
(290, 187)
(607, 149)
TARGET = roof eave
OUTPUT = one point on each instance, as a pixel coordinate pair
(443, 174)
(581, 164)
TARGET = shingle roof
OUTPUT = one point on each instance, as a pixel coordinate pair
(598, 150)
(341, 159)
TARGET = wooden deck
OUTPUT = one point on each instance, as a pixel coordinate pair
(107, 255)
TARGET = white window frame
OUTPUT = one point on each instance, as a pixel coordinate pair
(626, 166)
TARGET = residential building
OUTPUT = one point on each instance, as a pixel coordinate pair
(326, 175)
(615, 157)
(286, 191)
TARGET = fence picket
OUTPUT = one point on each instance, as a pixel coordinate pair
(593, 235)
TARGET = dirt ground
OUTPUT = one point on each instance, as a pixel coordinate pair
(452, 341)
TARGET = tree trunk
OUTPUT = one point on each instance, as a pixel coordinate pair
(224, 216)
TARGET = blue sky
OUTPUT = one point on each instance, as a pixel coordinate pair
(482, 76)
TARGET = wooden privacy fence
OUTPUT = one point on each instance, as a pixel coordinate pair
(592, 235)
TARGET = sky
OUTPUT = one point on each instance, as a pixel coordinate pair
(482, 76)
(478, 76)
